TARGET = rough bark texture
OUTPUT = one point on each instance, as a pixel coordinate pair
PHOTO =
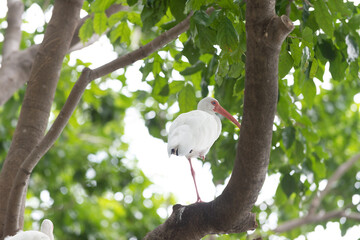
(13, 31)
(35, 110)
(10, 219)
(230, 212)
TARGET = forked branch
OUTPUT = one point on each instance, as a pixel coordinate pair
(22, 176)
(231, 211)
(314, 215)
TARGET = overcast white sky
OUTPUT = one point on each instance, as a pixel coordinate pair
(170, 175)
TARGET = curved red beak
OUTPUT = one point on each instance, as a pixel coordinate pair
(222, 111)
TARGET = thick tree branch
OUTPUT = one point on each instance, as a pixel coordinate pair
(34, 157)
(36, 107)
(48, 140)
(313, 215)
(12, 36)
(230, 212)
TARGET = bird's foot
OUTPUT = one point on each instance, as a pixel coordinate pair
(202, 157)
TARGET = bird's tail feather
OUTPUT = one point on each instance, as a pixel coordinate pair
(180, 141)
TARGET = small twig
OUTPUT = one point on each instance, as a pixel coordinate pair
(313, 214)
(342, 169)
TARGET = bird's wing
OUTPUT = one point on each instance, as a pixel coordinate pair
(193, 130)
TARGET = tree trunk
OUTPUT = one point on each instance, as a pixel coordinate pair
(35, 110)
(230, 212)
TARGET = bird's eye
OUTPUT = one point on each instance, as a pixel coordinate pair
(213, 102)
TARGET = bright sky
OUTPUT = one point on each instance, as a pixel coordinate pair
(171, 175)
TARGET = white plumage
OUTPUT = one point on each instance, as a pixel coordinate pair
(193, 133)
(46, 233)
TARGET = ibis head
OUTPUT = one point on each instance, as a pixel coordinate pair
(210, 105)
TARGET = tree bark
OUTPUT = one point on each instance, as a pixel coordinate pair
(35, 110)
(29, 160)
(230, 212)
(15, 69)
(13, 32)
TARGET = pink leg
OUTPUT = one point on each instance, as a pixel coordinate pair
(193, 175)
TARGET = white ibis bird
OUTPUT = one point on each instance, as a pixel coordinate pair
(45, 233)
(193, 133)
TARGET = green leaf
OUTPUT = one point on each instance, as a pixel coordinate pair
(152, 13)
(146, 69)
(323, 17)
(338, 6)
(277, 157)
(177, 8)
(313, 69)
(134, 18)
(206, 38)
(131, 2)
(123, 31)
(160, 90)
(327, 49)
(296, 51)
(310, 135)
(338, 67)
(236, 70)
(285, 63)
(288, 184)
(298, 153)
(86, 31)
(116, 18)
(101, 5)
(100, 23)
(319, 169)
(239, 87)
(229, 4)
(201, 18)
(307, 35)
(199, 65)
(226, 35)
(176, 86)
(158, 61)
(187, 99)
(283, 107)
(191, 52)
(223, 68)
(309, 92)
(288, 136)
(354, 22)
(192, 5)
